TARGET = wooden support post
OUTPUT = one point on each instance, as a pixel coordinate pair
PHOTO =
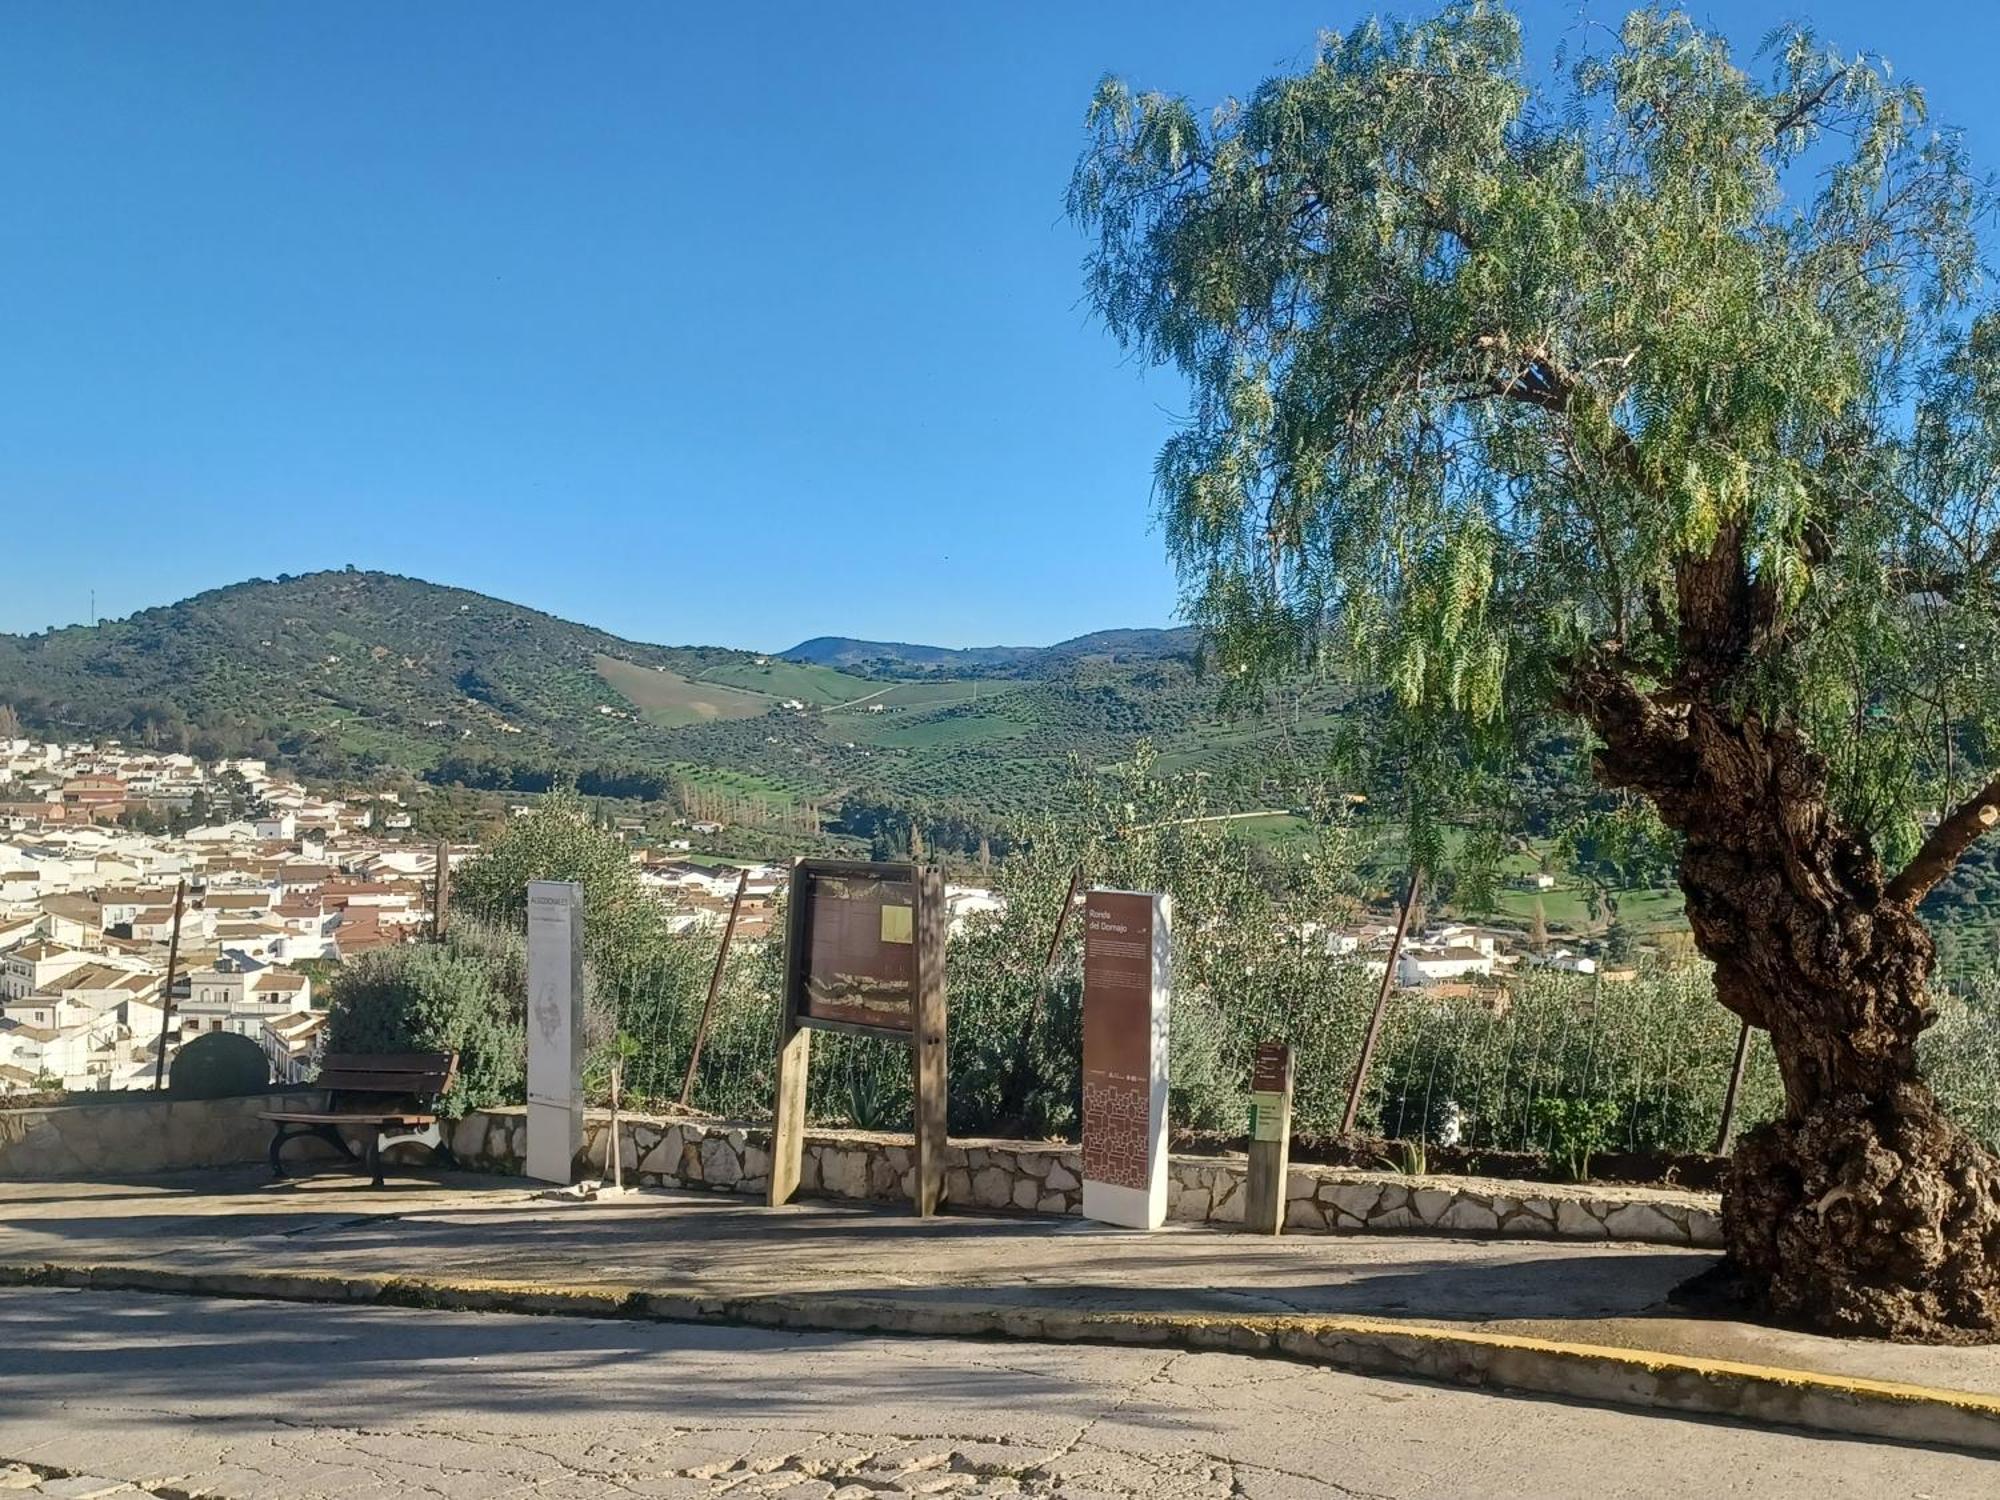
(714, 985)
(167, 985)
(1374, 1032)
(1735, 1087)
(788, 1110)
(441, 892)
(927, 1042)
(1056, 937)
(1270, 1139)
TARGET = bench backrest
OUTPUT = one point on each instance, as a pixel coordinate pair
(388, 1075)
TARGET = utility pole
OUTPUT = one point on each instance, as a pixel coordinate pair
(167, 988)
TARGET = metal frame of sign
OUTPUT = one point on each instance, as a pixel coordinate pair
(925, 1035)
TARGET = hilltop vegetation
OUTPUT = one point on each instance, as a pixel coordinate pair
(344, 674)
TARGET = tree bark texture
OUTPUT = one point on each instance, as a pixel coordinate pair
(1865, 1210)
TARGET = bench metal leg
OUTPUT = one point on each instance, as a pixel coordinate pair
(328, 1133)
(374, 1158)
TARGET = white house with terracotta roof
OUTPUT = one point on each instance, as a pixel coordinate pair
(241, 999)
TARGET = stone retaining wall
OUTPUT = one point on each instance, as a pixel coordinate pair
(141, 1132)
(1039, 1177)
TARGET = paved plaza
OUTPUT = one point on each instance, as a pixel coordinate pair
(721, 1246)
(274, 1401)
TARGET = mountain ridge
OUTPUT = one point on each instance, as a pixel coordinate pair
(349, 675)
(1135, 643)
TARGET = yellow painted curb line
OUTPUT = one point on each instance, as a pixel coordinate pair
(1849, 1406)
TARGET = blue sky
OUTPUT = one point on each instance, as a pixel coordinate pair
(725, 324)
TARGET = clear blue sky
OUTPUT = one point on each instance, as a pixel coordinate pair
(726, 324)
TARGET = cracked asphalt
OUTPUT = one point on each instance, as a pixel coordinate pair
(175, 1397)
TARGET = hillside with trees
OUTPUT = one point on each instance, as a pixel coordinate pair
(345, 674)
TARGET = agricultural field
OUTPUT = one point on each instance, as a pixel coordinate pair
(666, 698)
(778, 679)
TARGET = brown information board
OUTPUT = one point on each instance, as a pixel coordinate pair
(1270, 1067)
(860, 946)
(1117, 1037)
(864, 953)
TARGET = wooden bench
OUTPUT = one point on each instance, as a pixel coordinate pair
(391, 1096)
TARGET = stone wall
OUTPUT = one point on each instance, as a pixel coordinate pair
(143, 1132)
(1038, 1177)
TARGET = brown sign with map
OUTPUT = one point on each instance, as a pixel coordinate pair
(860, 946)
(1117, 1037)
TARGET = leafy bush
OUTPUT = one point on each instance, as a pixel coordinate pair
(466, 995)
(218, 1065)
(1566, 1066)
(1961, 1055)
(623, 922)
(1576, 1126)
(1658, 1048)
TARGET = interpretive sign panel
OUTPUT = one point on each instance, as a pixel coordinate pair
(864, 953)
(860, 946)
(1127, 977)
(555, 1029)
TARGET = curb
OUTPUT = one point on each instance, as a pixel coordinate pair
(1841, 1405)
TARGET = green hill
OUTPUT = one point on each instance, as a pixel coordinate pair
(343, 674)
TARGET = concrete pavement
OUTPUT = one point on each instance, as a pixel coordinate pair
(1478, 1310)
(270, 1401)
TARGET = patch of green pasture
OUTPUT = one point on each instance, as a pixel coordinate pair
(668, 699)
(782, 679)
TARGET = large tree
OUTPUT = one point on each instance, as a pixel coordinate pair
(1657, 397)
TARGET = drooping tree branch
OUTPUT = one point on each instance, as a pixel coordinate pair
(1948, 841)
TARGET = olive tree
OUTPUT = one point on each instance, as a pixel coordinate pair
(1660, 398)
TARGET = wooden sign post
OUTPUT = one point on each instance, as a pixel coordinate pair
(1270, 1138)
(1127, 979)
(864, 954)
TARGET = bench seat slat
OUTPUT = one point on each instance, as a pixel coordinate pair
(395, 1062)
(352, 1117)
(347, 1081)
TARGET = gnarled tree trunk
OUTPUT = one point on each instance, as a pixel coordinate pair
(1864, 1210)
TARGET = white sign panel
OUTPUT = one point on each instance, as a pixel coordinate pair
(555, 1029)
(1127, 979)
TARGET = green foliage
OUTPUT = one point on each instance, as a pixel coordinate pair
(558, 840)
(1568, 1067)
(218, 1065)
(1961, 1055)
(1409, 1158)
(1575, 1126)
(467, 995)
(1502, 377)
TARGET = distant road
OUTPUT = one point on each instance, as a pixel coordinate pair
(280, 1401)
(835, 708)
(1236, 817)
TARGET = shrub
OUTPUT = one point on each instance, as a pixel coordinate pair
(218, 1065)
(466, 995)
(1576, 1126)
